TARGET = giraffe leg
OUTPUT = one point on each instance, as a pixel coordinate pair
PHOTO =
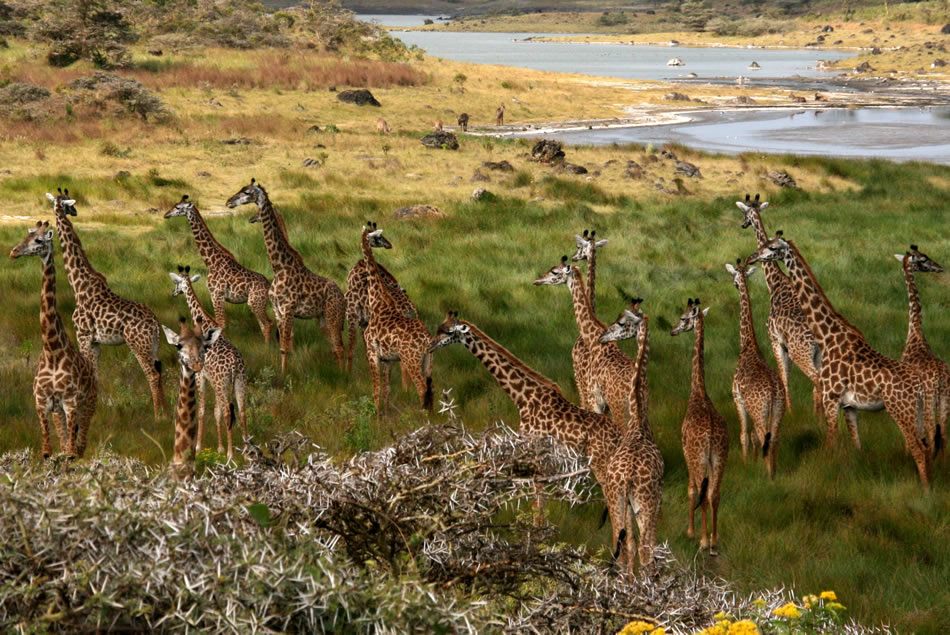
(630, 522)
(86, 409)
(240, 392)
(851, 419)
(200, 380)
(704, 535)
(217, 304)
(285, 330)
(147, 359)
(943, 411)
(89, 349)
(44, 415)
(830, 404)
(693, 493)
(257, 301)
(385, 378)
(69, 415)
(335, 328)
(905, 410)
(647, 521)
(775, 418)
(817, 400)
(743, 421)
(374, 369)
(221, 412)
(351, 344)
(781, 357)
(61, 429)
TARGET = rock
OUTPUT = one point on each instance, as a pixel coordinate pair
(411, 212)
(938, 63)
(478, 177)
(547, 151)
(797, 99)
(481, 194)
(572, 168)
(237, 141)
(692, 75)
(867, 31)
(360, 97)
(203, 174)
(820, 38)
(675, 61)
(782, 179)
(875, 51)
(754, 66)
(122, 174)
(828, 29)
(743, 99)
(863, 67)
(666, 153)
(499, 166)
(676, 97)
(837, 42)
(635, 173)
(688, 169)
(946, 29)
(441, 139)
(155, 52)
(310, 163)
(428, 21)
(314, 129)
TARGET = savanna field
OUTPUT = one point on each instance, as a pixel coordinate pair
(834, 518)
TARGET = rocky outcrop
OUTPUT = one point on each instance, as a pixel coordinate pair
(441, 139)
(360, 97)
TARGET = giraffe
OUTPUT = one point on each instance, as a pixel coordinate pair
(756, 388)
(586, 250)
(789, 335)
(500, 115)
(705, 438)
(357, 296)
(382, 127)
(854, 376)
(463, 121)
(192, 345)
(296, 292)
(64, 386)
(228, 280)
(392, 336)
(638, 455)
(917, 351)
(224, 366)
(544, 411)
(437, 126)
(610, 369)
(102, 317)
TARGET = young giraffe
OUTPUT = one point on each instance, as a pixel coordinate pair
(638, 455)
(917, 351)
(296, 292)
(101, 316)
(65, 383)
(192, 347)
(357, 296)
(756, 388)
(705, 438)
(228, 280)
(544, 411)
(587, 248)
(789, 335)
(611, 371)
(392, 336)
(224, 367)
(854, 376)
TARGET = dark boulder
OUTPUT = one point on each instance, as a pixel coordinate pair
(499, 166)
(441, 139)
(360, 97)
(547, 151)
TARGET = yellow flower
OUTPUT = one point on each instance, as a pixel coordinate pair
(658, 631)
(636, 627)
(759, 603)
(829, 595)
(744, 627)
(834, 606)
(713, 630)
(810, 600)
(720, 616)
(788, 611)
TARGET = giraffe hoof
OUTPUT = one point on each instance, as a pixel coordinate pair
(46, 456)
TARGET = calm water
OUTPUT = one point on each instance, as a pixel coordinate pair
(397, 20)
(617, 60)
(890, 133)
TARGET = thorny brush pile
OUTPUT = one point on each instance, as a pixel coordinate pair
(409, 538)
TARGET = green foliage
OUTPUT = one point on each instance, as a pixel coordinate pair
(359, 435)
(612, 19)
(261, 514)
(208, 458)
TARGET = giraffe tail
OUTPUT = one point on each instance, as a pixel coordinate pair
(702, 492)
(620, 538)
(603, 519)
(231, 419)
(765, 444)
(938, 440)
(427, 399)
(158, 365)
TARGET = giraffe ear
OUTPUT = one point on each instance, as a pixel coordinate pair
(580, 241)
(69, 202)
(174, 276)
(50, 197)
(763, 205)
(899, 257)
(196, 277)
(705, 311)
(462, 328)
(742, 206)
(212, 336)
(170, 336)
(749, 272)
(730, 269)
(49, 235)
(600, 243)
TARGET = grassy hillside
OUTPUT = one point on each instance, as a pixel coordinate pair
(856, 522)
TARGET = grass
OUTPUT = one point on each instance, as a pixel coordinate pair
(833, 518)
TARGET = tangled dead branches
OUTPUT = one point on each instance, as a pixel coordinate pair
(424, 535)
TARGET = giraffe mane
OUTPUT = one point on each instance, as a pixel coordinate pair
(821, 291)
(512, 358)
(281, 226)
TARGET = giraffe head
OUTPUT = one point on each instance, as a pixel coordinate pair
(183, 208)
(558, 274)
(250, 193)
(191, 344)
(62, 202)
(688, 320)
(919, 261)
(586, 245)
(181, 279)
(626, 325)
(38, 242)
(750, 208)
(449, 332)
(776, 249)
(375, 237)
(739, 272)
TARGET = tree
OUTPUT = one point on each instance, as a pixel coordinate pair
(95, 30)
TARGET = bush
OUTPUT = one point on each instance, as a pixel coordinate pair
(129, 93)
(21, 93)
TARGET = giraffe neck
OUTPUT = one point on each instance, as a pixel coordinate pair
(775, 278)
(210, 249)
(698, 378)
(825, 322)
(747, 340)
(280, 252)
(54, 333)
(915, 333)
(588, 324)
(377, 290)
(185, 427)
(198, 314)
(639, 420)
(592, 275)
(515, 378)
(78, 270)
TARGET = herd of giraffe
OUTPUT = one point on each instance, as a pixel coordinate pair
(611, 425)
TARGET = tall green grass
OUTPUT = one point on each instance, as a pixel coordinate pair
(855, 522)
